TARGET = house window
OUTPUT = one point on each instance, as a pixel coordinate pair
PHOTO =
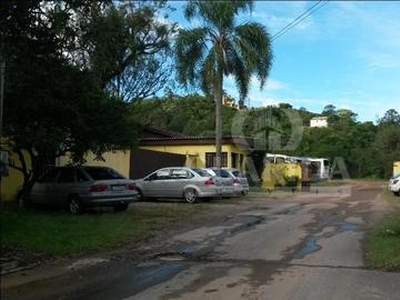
(211, 162)
(234, 160)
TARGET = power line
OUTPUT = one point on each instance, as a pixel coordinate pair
(299, 19)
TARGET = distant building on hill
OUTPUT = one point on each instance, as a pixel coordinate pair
(229, 101)
(319, 122)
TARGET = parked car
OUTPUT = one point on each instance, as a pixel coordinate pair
(394, 184)
(227, 179)
(178, 182)
(79, 187)
(240, 181)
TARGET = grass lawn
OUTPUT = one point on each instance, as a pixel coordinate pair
(382, 249)
(58, 233)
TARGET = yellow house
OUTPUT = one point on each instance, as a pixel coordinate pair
(118, 160)
(190, 151)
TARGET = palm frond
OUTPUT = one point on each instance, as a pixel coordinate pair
(190, 48)
(254, 44)
(239, 70)
(208, 71)
(221, 14)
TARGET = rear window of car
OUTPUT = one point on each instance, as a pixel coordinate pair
(238, 174)
(222, 173)
(50, 176)
(103, 173)
(202, 173)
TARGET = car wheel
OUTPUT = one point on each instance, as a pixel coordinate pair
(75, 206)
(397, 193)
(244, 193)
(121, 207)
(140, 195)
(190, 195)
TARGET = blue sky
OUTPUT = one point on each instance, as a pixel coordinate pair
(346, 54)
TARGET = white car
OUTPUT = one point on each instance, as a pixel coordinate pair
(394, 184)
(240, 181)
(179, 182)
(231, 184)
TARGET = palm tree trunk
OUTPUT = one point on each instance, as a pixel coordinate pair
(218, 119)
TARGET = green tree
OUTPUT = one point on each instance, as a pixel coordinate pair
(388, 141)
(128, 48)
(204, 55)
(54, 103)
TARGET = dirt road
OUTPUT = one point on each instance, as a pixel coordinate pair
(307, 246)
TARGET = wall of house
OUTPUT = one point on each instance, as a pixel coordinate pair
(118, 160)
(196, 154)
(12, 182)
(396, 168)
(319, 122)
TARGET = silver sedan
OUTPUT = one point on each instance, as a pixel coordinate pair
(79, 187)
(179, 182)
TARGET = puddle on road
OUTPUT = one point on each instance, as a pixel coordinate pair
(171, 257)
(310, 246)
(290, 210)
(348, 227)
(86, 262)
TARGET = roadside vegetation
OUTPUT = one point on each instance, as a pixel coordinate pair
(382, 248)
(383, 245)
(57, 233)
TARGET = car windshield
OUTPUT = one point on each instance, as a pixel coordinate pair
(103, 173)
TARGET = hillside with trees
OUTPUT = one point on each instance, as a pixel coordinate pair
(367, 149)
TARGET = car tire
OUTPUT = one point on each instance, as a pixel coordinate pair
(190, 195)
(121, 207)
(140, 195)
(75, 206)
(397, 193)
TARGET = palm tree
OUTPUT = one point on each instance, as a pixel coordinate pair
(204, 55)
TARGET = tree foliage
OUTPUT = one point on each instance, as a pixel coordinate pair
(62, 61)
(192, 115)
(367, 149)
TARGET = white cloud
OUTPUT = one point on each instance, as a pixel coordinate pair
(270, 102)
(380, 60)
(273, 85)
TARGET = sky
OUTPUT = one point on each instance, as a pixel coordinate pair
(346, 53)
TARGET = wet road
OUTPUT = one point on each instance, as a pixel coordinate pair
(304, 247)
